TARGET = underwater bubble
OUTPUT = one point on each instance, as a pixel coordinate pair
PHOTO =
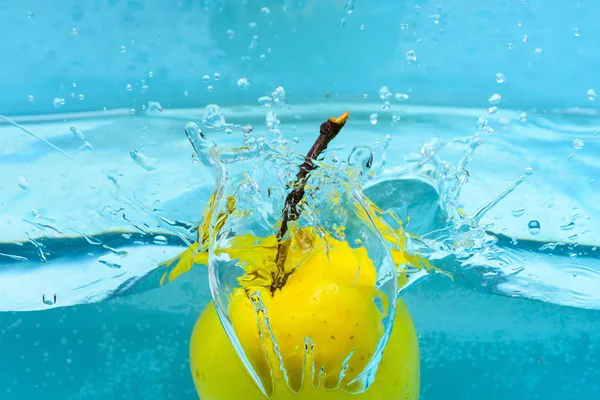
(243, 83)
(528, 171)
(361, 156)
(185, 93)
(74, 32)
(209, 88)
(395, 119)
(386, 106)
(252, 25)
(492, 110)
(80, 96)
(385, 93)
(265, 101)
(523, 117)
(148, 163)
(49, 300)
(568, 227)
(591, 93)
(518, 213)
(578, 144)
(29, 15)
(401, 96)
(349, 7)
(58, 103)
(525, 38)
(262, 57)
(123, 49)
(278, 95)
(216, 76)
(153, 107)
(128, 87)
(213, 117)
(482, 123)
(265, 10)
(534, 227)
(150, 74)
(500, 77)
(576, 32)
(77, 133)
(271, 120)
(411, 56)
(373, 118)
(30, 97)
(295, 139)
(510, 46)
(230, 33)
(495, 99)
(205, 78)
(253, 43)
(228, 131)
(247, 130)
(132, 111)
(22, 182)
(342, 22)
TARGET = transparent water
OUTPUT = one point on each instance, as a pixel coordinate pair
(83, 320)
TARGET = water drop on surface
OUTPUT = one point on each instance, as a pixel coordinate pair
(30, 97)
(411, 56)
(373, 118)
(205, 78)
(49, 300)
(518, 213)
(243, 83)
(578, 144)
(568, 227)
(385, 93)
(534, 227)
(160, 240)
(495, 99)
(591, 94)
(500, 77)
(22, 182)
(74, 32)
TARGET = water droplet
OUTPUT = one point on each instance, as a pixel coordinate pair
(80, 96)
(150, 74)
(385, 93)
(500, 77)
(247, 130)
(252, 25)
(243, 83)
(213, 117)
(265, 101)
(49, 300)
(576, 32)
(205, 78)
(411, 56)
(529, 171)
(518, 213)
(295, 139)
(217, 76)
(160, 240)
(123, 49)
(591, 93)
(401, 96)
(128, 87)
(495, 99)
(230, 34)
(74, 32)
(265, 10)
(534, 227)
(109, 264)
(77, 133)
(132, 111)
(575, 274)
(373, 118)
(578, 144)
(149, 164)
(568, 227)
(22, 182)
(525, 38)
(523, 117)
(209, 88)
(271, 120)
(361, 156)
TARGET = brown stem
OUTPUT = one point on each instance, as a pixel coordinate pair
(329, 130)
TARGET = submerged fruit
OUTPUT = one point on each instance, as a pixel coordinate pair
(313, 337)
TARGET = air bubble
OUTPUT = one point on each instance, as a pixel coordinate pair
(132, 111)
(271, 121)
(213, 117)
(591, 93)
(401, 96)
(495, 99)
(80, 96)
(77, 133)
(205, 78)
(523, 117)
(252, 25)
(525, 38)
(74, 32)
(529, 171)
(58, 102)
(411, 56)
(243, 83)
(373, 118)
(150, 74)
(123, 49)
(209, 88)
(500, 77)
(161, 240)
(128, 87)
(578, 144)
(385, 93)
(265, 10)
(576, 32)
(534, 227)
(247, 130)
(217, 76)
(230, 33)
(22, 182)
(185, 93)
(30, 97)
(149, 164)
